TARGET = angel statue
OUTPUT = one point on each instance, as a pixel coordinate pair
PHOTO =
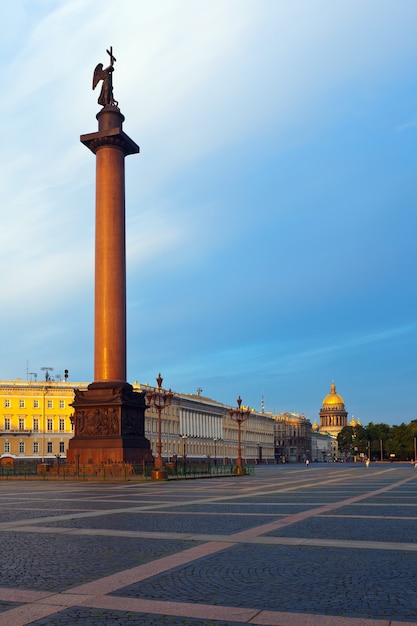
(106, 94)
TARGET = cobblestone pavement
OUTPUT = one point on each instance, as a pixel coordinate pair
(324, 545)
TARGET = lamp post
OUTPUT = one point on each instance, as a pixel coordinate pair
(184, 453)
(239, 416)
(215, 439)
(159, 399)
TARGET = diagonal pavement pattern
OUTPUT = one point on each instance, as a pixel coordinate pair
(324, 545)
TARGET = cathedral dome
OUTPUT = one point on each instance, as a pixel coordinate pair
(333, 398)
(333, 416)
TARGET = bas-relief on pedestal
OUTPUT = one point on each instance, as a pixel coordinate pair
(109, 426)
(109, 417)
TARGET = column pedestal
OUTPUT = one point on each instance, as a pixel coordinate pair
(109, 426)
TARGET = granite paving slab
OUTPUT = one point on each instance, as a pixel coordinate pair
(303, 579)
(99, 617)
(54, 562)
(400, 531)
(280, 498)
(14, 515)
(6, 606)
(373, 510)
(165, 522)
(232, 508)
(76, 571)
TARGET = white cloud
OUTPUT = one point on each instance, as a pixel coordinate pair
(407, 125)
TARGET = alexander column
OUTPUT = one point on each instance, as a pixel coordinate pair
(109, 417)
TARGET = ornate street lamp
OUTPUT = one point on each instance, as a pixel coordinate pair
(159, 399)
(215, 439)
(239, 416)
(184, 453)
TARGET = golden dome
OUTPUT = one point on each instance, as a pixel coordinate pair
(333, 398)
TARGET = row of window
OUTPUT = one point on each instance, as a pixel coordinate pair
(49, 448)
(35, 424)
(49, 404)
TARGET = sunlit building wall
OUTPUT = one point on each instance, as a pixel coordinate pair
(292, 438)
(35, 418)
(35, 424)
(322, 446)
(201, 428)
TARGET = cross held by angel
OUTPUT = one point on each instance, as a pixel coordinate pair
(105, 74)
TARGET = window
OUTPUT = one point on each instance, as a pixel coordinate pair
(21, 447)
(49, 447)
(36, 424)
(50, 424)
(50, 404)
(7, 447)
(61, 423)
(36, 404)
(7, 404)
(61, 447)
(21, 423)
(21, 404)
(62, 404)
(35, 447)
(7, 423)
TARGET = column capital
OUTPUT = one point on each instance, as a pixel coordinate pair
(114, 137)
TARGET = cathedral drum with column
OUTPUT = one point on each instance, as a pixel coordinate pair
(333, 416)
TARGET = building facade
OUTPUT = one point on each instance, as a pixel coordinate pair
(201, 429)
(35, 419)
(292, 435)
(323, 446)
(36, 425)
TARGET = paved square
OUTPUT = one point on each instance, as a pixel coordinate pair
(324, 545)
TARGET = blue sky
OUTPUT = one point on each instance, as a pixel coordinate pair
(271, 213)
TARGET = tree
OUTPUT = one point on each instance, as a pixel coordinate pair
(378, 435)
(380, 439)
(360, 439)
(345, 439)
(402, 442)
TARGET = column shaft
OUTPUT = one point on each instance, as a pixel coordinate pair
(110, 267)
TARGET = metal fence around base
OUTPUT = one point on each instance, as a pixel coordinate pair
(182, 471)
(116, 472)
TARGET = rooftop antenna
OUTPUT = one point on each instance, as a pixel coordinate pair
(47, 370)
(33, 374)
